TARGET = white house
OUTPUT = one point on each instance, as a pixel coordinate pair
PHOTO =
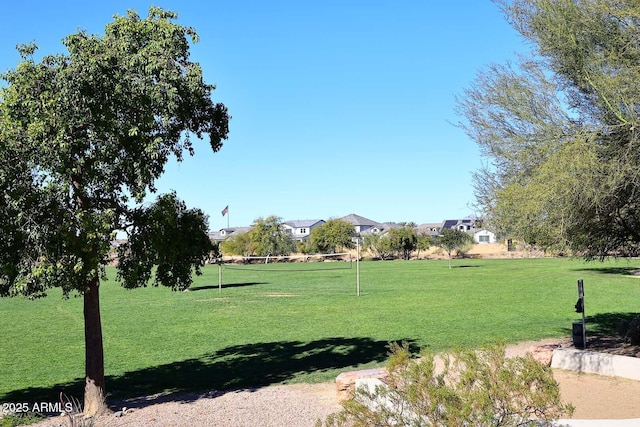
(225, 233)
(362, 224)
(484, 236)
(301, 229)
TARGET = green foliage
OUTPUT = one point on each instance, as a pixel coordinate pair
(304, 247)
(270, 237)
(380, 246)
(83, 138)
(331, 236)
(452, 240)
(474, 388)
(560, 128)
(404, 241)
(423, 244)
(168, 237)
(239, 244)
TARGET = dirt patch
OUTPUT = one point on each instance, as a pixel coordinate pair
(281, 295)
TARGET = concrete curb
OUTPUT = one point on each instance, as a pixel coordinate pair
(631, 422)
(596, 363)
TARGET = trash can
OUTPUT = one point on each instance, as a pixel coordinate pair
(578, 335)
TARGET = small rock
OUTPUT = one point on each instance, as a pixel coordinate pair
(345, 382)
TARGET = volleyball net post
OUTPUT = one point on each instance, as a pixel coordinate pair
(356, 240)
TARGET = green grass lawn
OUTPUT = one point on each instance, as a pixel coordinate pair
(268, 327)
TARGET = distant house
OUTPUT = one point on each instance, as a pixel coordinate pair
(301, 229)
(381, 228)
(468, 224)
(484, 236)
(225, 233)
(362, 224)
(428, 229)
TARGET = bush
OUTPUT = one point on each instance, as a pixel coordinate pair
(472, 388)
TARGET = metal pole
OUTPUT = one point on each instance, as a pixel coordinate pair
(358, 266)
(584, 323)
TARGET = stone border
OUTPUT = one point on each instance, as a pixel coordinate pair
(596, 363)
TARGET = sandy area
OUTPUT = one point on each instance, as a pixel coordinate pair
(594, 397)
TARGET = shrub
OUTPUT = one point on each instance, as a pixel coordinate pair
(472, 388)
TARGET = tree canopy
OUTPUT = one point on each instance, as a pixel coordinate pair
(559, 127)
(84, 136)
(404, 241)
(270, 238)
(452, 240)
(333, 234)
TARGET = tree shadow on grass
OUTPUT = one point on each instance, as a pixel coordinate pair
(604, 323)
(246, 366)
(608, 323)
(620, 271)
(225, 285)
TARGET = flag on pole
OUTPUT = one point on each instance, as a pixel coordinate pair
(225, 210)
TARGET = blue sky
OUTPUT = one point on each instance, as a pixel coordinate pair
(338, 106)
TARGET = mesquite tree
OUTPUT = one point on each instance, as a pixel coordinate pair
(84, 135)
(560, 128)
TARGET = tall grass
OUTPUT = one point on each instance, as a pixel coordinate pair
(287, 325)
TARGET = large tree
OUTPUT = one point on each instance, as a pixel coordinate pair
(333, 234)
(559, 127)
(404, 241)
(83, 137)
(270, 237)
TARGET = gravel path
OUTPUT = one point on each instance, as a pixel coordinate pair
(297, 405)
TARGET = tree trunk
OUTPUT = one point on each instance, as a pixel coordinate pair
(94, 400)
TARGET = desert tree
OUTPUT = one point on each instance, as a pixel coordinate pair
(404, 241)
(559, 127)
(84, 135)
(379, 245)
(239, 244)
(332, 235)
(270, 237)
(424, 243)
(451, 240)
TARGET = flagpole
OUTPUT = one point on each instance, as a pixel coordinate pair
(225, 212)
